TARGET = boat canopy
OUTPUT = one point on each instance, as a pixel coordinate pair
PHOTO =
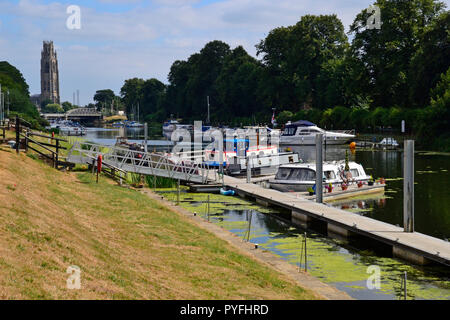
(301, 123)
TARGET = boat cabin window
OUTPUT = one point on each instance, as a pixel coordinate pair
(289, 131)
(303, 174)
(304, 132)
(314, 131)
(354, 173)
(283, 173)
(329, 175)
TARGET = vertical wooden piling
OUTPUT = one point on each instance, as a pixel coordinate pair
(306, 256)
(408, 186)
(17, 134)
(249, 170)
(319, 168)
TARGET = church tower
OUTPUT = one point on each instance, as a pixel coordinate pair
(49, 73)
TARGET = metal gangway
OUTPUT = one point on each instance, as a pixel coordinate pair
(146, 163)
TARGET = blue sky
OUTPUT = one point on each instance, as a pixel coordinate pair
(121, 39)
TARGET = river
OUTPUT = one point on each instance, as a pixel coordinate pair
(340, 263)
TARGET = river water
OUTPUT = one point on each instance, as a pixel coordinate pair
(432, 178)
(341, 263)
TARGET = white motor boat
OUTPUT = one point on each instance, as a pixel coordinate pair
(389, 142)
(304, 133)
(299, 177)
(67, 127)
(170, 126)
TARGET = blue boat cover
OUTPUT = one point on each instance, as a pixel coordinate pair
(302, 123)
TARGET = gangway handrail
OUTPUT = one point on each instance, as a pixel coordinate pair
(139, 162)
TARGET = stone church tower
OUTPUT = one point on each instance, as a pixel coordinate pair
(49, 73)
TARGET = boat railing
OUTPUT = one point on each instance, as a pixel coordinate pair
(352, 131)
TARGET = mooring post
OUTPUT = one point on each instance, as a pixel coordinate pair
(319, 168)
(405, 279)
(145, 136)
(17, 134)
(249, 170)
(408, 187)
(57, 152)
(306, 257)
(221, 158)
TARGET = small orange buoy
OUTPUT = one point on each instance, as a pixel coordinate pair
(353, 145)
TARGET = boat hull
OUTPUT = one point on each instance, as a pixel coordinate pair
(309, 141)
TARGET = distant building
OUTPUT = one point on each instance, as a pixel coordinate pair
(49, 74)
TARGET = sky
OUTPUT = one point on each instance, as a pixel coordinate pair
(123, 39)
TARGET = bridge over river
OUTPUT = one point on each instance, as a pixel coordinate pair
(84, 115)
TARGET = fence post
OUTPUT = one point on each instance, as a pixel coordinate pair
(26, 141)
(17, 134)
(57, 152)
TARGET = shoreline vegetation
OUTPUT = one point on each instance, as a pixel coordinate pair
(127, 245)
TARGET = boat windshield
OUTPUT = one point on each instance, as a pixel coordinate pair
(297, 174)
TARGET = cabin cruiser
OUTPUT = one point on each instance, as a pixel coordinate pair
(133, 124)
(304, 133)
(170, 126)
(251, 146)
(389, 142)
(68, 127)
(299, 177)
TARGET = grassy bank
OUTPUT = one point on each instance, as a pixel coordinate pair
(125, 244)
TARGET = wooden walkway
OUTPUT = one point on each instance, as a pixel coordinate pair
(414, 247)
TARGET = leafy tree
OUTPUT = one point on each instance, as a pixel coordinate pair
(152, 93)
(104, 98)
(430, 60)
(13, 82)
(381, 59)
(68, 106)
(53, 108)
(297, 58)
(131, 93)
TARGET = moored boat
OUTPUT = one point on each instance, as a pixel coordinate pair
(299, 177)
(304, 133)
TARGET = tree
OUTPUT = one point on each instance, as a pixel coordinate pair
(12, 81)
(381, 58)
(152, 93)
(131, 93)
(67, 106)
(430, 60)
(53, 108)
(237, 85)
(193, 80)
(295, 57)
(104, 98)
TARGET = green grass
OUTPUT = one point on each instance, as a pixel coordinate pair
(127, 245)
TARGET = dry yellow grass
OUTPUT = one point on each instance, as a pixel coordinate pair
(127, 246)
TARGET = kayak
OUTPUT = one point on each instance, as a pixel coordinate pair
(226, 192)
